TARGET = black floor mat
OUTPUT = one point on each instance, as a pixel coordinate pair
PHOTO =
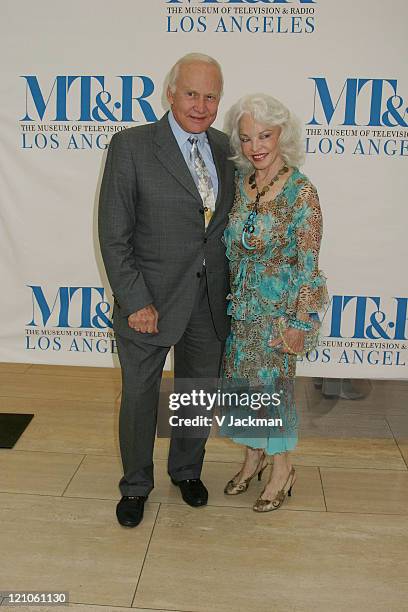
(11, 428)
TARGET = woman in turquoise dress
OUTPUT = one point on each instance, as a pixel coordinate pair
(272, 243)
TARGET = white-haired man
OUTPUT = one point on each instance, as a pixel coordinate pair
(165, 197)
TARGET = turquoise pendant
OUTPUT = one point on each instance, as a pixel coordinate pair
(244, 241)
(249, 228)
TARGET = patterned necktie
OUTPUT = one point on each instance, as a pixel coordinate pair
(204, 182)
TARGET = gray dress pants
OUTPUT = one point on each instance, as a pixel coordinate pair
(197, 355)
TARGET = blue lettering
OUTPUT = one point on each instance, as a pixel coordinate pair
(339, 302)
(401, 318)
(33, 87)
(326, 355)
(243, 1)
(322, 89)
(46, 311)
(373, 360)
(86, 88)
(378, 326)
(94, 106)
(350, 92)
(89, 318)
(392, 111)
(344, 358)
(127, 98)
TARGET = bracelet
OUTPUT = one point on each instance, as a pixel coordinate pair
(285, 344)
(301, 325)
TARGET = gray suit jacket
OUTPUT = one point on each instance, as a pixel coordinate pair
(152, 234)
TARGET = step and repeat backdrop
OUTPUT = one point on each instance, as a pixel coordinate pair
(74, 74)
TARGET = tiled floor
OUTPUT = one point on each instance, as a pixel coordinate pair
(339, 544)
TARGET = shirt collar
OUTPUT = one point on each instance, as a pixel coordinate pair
(181, 135)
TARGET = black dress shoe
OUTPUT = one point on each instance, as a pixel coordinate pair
(192, 491)
(129, 510)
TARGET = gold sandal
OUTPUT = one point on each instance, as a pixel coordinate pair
(267, 505)
(235, 488)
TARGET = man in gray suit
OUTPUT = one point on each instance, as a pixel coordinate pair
(166, 193)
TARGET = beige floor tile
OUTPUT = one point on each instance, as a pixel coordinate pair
(217, 449)
(71, 426)
(233, 559)
(223, 449)
(390, 384)
(85, 608)
(44, 404)
(67, 426)
(399, 425)
(15, 368)
(36, 472)
(72, 545)
(391, 396)
(98, 478)
(161, 448)
(307, 492)
(369, 491)
(403, 446)
(58, 387)
(349, 452)
(79, 428)
(350, 426)
(381, 398)
(76, 371)
(399, 428)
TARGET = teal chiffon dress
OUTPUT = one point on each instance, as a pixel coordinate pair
(278, 278)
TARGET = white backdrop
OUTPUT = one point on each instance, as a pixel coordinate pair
(74, 73)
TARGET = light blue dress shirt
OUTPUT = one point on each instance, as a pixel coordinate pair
(203, 146)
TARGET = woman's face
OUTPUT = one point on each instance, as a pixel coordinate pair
(259, 142)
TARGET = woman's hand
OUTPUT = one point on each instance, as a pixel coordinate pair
(293, 338)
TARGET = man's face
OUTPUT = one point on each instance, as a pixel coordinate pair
(195, 101)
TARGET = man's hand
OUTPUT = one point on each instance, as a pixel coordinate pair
(144, 320)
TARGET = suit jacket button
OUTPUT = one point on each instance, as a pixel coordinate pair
(198, 274)
(205, 240)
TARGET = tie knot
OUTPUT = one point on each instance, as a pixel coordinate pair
(193, 140)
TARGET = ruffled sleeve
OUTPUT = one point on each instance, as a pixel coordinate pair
(309, 292)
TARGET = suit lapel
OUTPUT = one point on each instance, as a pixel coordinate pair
(169, 154)
(219, 160)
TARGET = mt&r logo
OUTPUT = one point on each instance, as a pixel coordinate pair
(82, 111)
(365, 317)
(73, 319)
(364, 116)
(364, 330)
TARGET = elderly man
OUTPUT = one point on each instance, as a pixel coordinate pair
(165, 197)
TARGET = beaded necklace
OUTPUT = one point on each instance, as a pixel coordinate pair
(249, 226)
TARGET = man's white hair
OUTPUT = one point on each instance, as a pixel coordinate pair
(189, 59)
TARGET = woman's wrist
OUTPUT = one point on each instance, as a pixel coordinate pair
(302, 316)
(301, 322)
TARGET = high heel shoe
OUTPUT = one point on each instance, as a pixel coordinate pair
(267, 505)
(235, 488)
